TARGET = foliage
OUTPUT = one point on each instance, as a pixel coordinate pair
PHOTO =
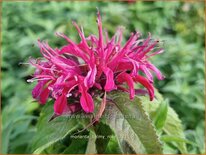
(128, 121)
(178, 25)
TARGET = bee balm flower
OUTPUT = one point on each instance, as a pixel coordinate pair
(71, 75)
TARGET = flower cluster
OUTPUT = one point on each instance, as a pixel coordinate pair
(73, 74)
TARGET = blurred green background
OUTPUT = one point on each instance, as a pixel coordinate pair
(178, 25)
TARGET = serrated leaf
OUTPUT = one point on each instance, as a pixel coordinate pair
(50, 132)
(172, 125)
(122, 130)
(131, 124)
(161, 115)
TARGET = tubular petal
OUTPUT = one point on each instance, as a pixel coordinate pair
(146, 84)
(81, 70)
(124, 77)
(157, 72)
(110, 84)
(90, 78)
(37, 89)
(87, 102)
(44, 96)
(60, 104)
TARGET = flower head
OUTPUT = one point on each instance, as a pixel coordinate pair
(72, 74)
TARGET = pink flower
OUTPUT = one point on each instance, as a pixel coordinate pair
(74, 73)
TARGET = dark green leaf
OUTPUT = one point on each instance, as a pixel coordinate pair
(131, 124)
(77, 146)
(50, 132)
(103, 133)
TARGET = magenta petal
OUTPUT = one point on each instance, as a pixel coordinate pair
(146, 84)
(37, 89)
(124, 65)
(157, 72)
(67, 49)
(124, 77)
(130, 64)
(44, 96)
(95, 64)
(83, 43)
(147, 72)
(72, 48)
(87, 102)
(149, 49)
(124, 50)
(90, 78)
(93, 39)
(155, 53)
(110, 84)
(99, 23)
(60, 104)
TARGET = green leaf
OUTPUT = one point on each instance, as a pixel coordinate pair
(104, 133)
(82, 143)
(5, 139)
(113, 146)
(50, 132)
(132, 125)
(161, 115)
(78, 145)
(22, 139)
(170, 139)
(16, 124)
(122, 130)
(91, 146)
(172, 125)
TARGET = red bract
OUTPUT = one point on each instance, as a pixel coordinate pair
(73, 74)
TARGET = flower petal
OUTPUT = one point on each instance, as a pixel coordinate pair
(90, 78)
(87, 102)
(119, 55)
(72, 48)
(110, 84)
(60, 104)
(157, 72)
(101, 42)
(38, 89)
(145, 70)
(146, 84)
(44, 96)
(124, 77)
